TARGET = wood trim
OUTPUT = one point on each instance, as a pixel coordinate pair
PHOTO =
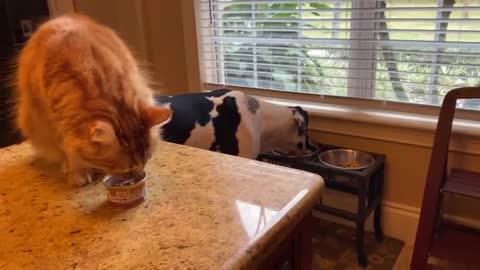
(143, 41)
(190, 35)
(409, 136)
(304, 247)
(296, 249)
(468, 222)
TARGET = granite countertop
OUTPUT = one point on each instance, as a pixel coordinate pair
(203, 211)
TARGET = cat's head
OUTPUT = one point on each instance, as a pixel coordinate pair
(120, 146)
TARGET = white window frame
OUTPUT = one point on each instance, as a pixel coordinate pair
(366, 78)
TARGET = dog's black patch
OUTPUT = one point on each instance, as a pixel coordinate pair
(187, 110)
(226, 126)
(252, 104)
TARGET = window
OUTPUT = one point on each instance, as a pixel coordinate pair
(411, 51)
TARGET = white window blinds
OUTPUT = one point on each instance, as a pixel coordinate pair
(411, 51)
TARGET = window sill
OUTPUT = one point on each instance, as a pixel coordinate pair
(384, 125)
(380, 117)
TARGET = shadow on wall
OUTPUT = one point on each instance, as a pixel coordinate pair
(153, 29)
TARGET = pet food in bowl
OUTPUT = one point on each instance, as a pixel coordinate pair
(312, 155)
(346, 159)
(126, 191)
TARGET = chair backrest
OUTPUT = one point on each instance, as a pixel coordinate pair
(437, 173)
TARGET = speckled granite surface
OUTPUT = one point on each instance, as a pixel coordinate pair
(203, 211)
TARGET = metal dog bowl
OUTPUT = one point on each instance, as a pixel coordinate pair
(346, 159)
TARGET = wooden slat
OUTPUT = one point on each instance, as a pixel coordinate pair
(464, 183)
(462, 189)
(472, 178)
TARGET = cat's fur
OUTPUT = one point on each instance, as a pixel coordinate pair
(83, 100)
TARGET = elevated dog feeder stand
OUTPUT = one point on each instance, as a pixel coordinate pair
(366, 184)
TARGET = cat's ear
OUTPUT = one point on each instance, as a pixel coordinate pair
(157, 115)
(102, 132)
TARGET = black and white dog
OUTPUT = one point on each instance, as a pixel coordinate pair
(233, 123)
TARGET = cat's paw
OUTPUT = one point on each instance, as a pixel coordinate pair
(79, 178)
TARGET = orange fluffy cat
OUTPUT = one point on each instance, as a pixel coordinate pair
(83, 101)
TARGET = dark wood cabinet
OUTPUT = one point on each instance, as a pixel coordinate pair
(295, 252)
(18, 19)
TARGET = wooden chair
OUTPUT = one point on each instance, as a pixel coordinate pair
(435, 236)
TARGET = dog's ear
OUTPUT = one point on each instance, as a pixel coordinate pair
(301, 120)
